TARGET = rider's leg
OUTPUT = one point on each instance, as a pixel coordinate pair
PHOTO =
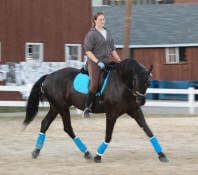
(94, 73)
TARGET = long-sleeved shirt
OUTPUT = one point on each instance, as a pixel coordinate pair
(98, 45)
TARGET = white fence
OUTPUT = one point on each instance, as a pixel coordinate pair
(191, 104)
(24, 90)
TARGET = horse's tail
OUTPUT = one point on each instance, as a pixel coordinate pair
(33, 101)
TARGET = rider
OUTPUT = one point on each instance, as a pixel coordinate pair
(99, 48)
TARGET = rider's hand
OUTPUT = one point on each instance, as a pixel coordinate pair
(101, 64)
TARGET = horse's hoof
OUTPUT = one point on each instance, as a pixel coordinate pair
(162, 157)
(88, 155)
(35, 153)
(97, 159)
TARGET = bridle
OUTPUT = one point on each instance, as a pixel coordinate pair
(134, 91)
(137, 93)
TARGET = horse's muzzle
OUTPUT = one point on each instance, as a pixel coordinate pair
(140, 100)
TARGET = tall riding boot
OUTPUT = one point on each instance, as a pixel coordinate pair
(89, 103)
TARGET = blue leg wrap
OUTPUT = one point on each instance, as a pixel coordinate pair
(101, 149)
(82, 147)
(40, 140)
(156, 145)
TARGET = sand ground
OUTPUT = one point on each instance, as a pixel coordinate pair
(130, 151)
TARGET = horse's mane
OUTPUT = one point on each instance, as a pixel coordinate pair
(130, 65)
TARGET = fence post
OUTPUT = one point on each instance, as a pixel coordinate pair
(191, 100)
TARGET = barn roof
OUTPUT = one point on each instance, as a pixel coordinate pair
(158, 25)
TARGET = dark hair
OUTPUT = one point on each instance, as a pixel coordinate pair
(95, 18)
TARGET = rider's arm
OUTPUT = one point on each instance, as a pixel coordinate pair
(91, 56)
(115, 55)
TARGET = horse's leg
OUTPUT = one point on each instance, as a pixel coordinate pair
(51, 115)
(139, 117)
(65, 115)
(110, 122)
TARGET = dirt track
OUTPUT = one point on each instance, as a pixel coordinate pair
(129, 152)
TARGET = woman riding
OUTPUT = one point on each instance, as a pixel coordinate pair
(100, 50)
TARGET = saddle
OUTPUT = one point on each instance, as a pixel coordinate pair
(82, 80)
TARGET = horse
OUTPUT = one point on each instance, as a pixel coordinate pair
(124, 93)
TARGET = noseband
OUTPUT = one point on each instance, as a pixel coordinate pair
(137, 93)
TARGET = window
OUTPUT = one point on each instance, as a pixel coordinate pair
(153, 1)
(34, 51)
(114, 2)
(135, 2)
(117, 2)
(175, 55)
(122, 2)
(73, 52)
(138, 2)
(182, 54)
(165, 1)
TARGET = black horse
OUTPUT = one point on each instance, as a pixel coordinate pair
(124, 93)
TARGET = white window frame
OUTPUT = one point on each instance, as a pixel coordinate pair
(29, 56)
(172, 58)
(67, 52)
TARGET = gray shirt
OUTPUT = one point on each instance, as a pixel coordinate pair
(98, 45)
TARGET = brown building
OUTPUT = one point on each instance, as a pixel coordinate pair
(40, 29)
(140, 2)
(186, 1)
(34, 33)
(53, 31)
(164, 35)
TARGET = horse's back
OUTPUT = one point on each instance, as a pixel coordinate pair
(59, 81)
(64, 74)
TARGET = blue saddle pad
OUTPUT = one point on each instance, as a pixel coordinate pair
(81, 83)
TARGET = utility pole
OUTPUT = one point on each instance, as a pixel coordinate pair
(127, 28)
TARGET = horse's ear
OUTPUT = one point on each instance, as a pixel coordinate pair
(150, 69)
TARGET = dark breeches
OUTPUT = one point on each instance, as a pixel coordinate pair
(94, 73)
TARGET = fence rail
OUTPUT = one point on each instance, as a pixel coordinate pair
(190, 103)
(23, 90)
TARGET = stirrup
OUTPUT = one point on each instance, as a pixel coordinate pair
(86, 113)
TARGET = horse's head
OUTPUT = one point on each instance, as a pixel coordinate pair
(136, 77)
(140, 84)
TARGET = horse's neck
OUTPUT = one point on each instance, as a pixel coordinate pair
(125, 73)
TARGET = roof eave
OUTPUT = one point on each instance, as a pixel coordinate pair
(159, 45)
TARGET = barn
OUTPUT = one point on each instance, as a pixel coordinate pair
(41, 36)
(38, 37)
(162, 35)
(42, 30)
